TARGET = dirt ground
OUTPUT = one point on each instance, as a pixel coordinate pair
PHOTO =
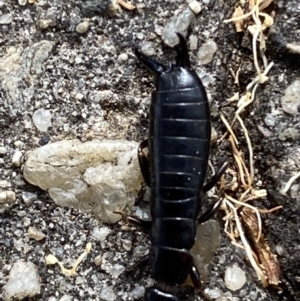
(80, 64)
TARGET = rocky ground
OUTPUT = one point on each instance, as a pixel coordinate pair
(77, 63)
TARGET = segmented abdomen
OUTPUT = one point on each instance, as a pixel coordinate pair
(179, 146)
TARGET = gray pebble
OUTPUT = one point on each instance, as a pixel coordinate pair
(82, 27)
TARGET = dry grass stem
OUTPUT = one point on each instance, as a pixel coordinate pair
(252, 208)
(247, 247)
(229, 128)
(126, 5)
(290, 182)
(250, 149)
(264, 256)
(270, 210)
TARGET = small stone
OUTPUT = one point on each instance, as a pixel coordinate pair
(4, 184)
(3, 150)
(23, 282)
(45, 23)
(79, 96)
(52, 299)
(147, 48)
(270, 120)
(253, 295)
(138, 292)
(16, 159)
(235, 278)
(193, 42)
(127, 244)
(291, 101)
(213, 293)
(19, 144)
(107, 294)
(26, 221)
(158, 29)
(123, 57)
(7, 197)
(66, 298)
(82, 27)
(140, 36)
(290, 133)
(98, 176)
(294, 191)
(265, 132)
(206, 52)
(179, 23)
(42, 119)
(100, 234)
(28, 198)
(44, 140)
(98, 260)
(117, 270)
(35, 234)
(195, 7)
(22, 2)
(280, 250)
(5, 19)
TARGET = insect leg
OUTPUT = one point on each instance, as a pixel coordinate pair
(139, 222)
(143, 261)
(210, 212)
(134, 220)
(144, 162)
(195, 277)
(214, 180)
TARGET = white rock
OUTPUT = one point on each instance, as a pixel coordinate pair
(4, 184)
(28, 197)
(42, 119)
(7, 197)
(117, 270)
(138, 292)
(23, 282)
(179, 23)
(291, 101)
(35, 234)
(107, 294)
(16, 159)
(5, 19)
(82, 27)
(147, 48)
(95, 176)
(100, 233)
(66, 298)
(206, 52)
(98, 260)
(235, 278)
(22, 2)
(45, 23)
(123, 57)
(193, 42)
(3, 150)
(195, 7)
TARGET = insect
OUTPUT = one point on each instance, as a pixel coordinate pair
(179, 143)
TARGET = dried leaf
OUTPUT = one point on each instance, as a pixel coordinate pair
(266, 258)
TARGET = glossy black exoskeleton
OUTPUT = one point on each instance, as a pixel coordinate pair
(179, 143)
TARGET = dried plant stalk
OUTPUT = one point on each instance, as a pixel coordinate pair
(263, 253)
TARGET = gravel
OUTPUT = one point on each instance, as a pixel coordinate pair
(75, 61)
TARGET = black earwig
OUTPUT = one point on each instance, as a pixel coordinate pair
(179, 143)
